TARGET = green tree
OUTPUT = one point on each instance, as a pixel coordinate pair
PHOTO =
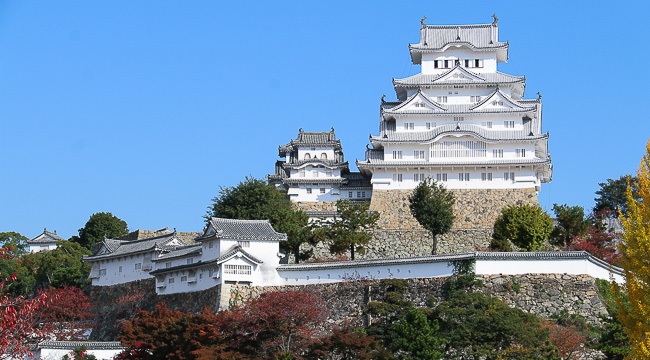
(635, 252)
(612, 195)
(417, 337)
(14, 240)
(433, 207)
(255, 199)
(100, 225)
(349, 231)
(483, 327)
(59, 267)
(526, 226)
(571, 222)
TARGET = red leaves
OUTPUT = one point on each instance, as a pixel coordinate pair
(597, 242)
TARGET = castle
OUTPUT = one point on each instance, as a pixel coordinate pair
(460, 122)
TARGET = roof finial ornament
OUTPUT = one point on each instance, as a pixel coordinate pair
(496, 19)
(332, 129)
(383, 98)
(539, 95)
(300, 130)
(424, 18)
(458, 33)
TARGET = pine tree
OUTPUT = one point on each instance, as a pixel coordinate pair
(635, 252)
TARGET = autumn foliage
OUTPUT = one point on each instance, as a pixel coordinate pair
(50, 314)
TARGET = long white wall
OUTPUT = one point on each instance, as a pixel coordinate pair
(573, 263)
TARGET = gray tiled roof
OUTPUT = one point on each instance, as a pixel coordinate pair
(90, 345)
(180, 252)
(481, 132)
(46, 237)
(435, 79)
(133, 247)
(305, 138)
(478, 36)
(313, 180)
(242, 230)
(457, 162)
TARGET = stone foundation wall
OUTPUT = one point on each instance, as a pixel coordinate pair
(316, 206)
(474, 208)
(543, 295)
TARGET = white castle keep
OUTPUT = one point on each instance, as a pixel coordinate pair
(459, 121)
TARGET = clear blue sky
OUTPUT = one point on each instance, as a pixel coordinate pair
(144, 109)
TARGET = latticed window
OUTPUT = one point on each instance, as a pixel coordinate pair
(238, 269)
(458, 148)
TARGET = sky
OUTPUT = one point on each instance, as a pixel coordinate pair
(145, 109)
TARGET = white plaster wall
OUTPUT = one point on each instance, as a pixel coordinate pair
(57, 354)
(315, 151)
(453, 53)
(298, 193)
(34, 248)
(114, 276)
(201, 274)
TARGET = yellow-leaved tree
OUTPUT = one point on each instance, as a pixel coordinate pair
(635, 260)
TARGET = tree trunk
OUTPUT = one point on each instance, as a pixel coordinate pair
(351, 252)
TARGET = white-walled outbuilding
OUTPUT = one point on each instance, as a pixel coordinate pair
(44, 242)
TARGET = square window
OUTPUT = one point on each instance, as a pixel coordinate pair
(171, 280)
(308, 190)
(322, 190)
(138, 266)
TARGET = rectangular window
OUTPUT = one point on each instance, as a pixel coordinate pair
(487, 124)
(441, 177)
(497, 153)
(358, 194)
(350, 194)
(409, 126)
(171, 280)
(509, 124)
(102, 272)
(238, 269)
(138, 266)
(442, 99)
(329, 172)
(308, 190)
(119, 269)
(463, 176)
(322, 190)
(418, 177)
(190, 261)
(184, 278)
(169, 264)
(397, 154)
(363, 194)
(459, 118)
(201, 275)
(418, 154)
(520, 152)
(478, 63)
(475, 99)
(428, 126)
(210, 244)
(509, 176)
(244, 243)
(486, 176)
(397, 177)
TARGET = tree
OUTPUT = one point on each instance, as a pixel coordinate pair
(69, 317)
(417, 337)
(612, 195)
(347, 343)
(15, 241)
(59, 267)
(483, 327)
(526, 226)
(433, 207)
(635, 252)
(101, 225)
(255, 199)
(349, 231)
(571, 222)
(25, 321)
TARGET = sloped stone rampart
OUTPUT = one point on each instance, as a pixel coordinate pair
(544, 295)
(474, 208)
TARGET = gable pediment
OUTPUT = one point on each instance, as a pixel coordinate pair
(499, 101)
(103, 250)
(418, 103)
(459, 74)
